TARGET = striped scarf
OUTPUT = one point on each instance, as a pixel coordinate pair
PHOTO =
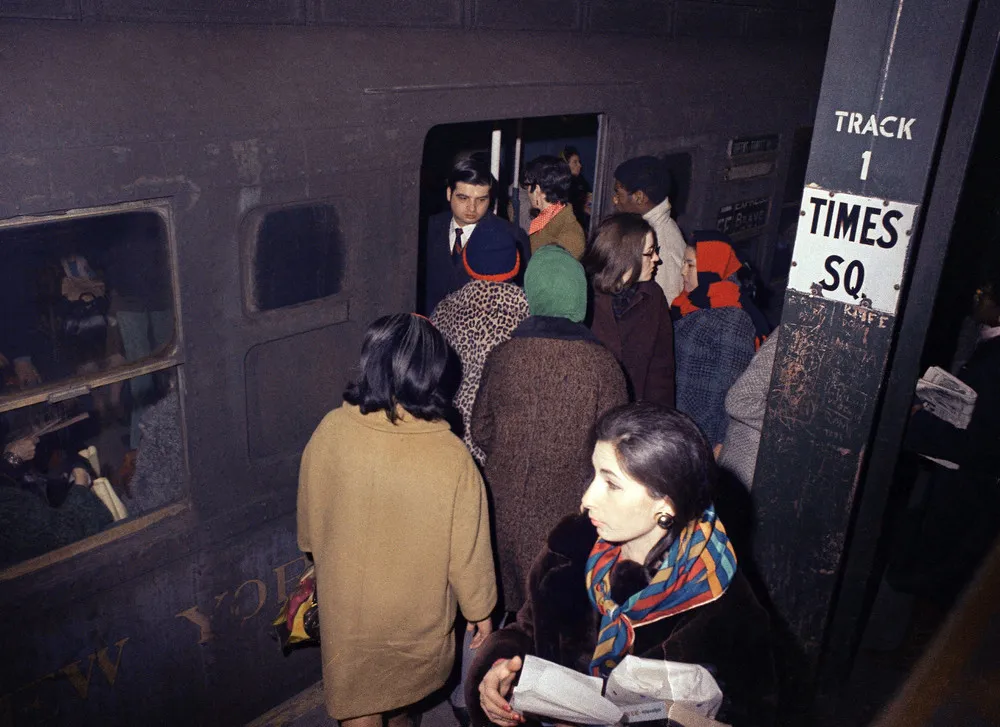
(696, 570)
(717, 267)
(545, 217)
(718, 287)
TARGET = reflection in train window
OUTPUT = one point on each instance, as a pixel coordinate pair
(507, 145)
(68, 471)
(89, 410)
(82, 296)
(298, 257)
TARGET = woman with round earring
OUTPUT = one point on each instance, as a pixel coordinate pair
(646, 570)
(631, 316)
(393, 510)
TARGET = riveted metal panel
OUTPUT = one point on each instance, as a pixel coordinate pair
(709, 21)
(51, 9)
(631, 16)
(427, 13)
(528, 14)
(194, 11)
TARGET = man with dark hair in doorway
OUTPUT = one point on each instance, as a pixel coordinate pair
(642, 186)
(470, 192)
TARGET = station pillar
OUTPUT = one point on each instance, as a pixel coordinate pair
(888, 84)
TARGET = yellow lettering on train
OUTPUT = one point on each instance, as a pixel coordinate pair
(110, 670)
(261, 598)
(200, 620)
(281, 574)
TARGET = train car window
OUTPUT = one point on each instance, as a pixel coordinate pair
(89, 409)
(680, 169)
(298, 257)
(788, 220)
(506, 145)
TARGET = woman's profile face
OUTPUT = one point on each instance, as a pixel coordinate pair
(650, 258)
(690, 269)
(575, 167)
(620, 507)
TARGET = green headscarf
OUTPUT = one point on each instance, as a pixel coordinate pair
(555, 284)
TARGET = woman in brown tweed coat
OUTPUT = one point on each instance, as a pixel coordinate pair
(540, 395)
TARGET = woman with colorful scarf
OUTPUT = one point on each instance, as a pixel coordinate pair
(646, 570)
(714, 337)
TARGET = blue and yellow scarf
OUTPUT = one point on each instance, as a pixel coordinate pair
(696, 570)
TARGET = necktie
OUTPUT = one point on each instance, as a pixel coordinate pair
(456, 251)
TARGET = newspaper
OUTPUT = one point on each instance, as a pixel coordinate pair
(638, 690)
(946, 397)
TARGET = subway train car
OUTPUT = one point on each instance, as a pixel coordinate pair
(203, 206)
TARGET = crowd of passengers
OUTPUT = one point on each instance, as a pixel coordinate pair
(574, 517)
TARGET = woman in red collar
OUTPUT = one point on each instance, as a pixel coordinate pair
(647, 570)
(547, 181)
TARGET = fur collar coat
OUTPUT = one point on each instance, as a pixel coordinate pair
(730, 636)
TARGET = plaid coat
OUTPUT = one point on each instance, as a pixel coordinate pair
(712, 347)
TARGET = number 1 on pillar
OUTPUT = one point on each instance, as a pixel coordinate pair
(866, 158)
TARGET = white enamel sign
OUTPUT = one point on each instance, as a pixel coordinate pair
(851, 248)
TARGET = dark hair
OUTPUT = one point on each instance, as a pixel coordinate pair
(666, 451)
(405, 361)
(616, 249)
(552, 175)
(474, 170)
(647, 173)
(569, 152)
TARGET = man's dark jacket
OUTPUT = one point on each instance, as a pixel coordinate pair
(444, 273)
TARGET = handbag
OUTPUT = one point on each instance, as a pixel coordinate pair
(297, 623)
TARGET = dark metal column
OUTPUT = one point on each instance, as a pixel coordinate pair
(887, 85)
(965, 116)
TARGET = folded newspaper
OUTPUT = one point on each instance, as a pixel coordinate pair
(637, 690)
(946, 397)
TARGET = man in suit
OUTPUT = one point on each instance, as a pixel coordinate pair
(470, 193)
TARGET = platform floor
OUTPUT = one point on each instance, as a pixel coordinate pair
(306, 709)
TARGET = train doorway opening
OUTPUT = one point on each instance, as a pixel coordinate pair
(505, 145)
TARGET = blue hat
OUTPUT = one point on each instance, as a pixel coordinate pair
(491, 253)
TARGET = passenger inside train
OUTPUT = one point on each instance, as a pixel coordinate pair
(87, 305)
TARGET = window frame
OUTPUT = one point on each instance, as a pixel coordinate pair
(249, 235)
(171, 357)
(81, 384)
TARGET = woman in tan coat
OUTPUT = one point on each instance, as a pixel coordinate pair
(393, 510)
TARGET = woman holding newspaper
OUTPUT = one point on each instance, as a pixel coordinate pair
(646, 570)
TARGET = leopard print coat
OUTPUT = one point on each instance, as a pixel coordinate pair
(474, 319)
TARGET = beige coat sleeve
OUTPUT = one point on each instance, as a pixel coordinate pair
(470, 570)
(302, 508)
(669, 275)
